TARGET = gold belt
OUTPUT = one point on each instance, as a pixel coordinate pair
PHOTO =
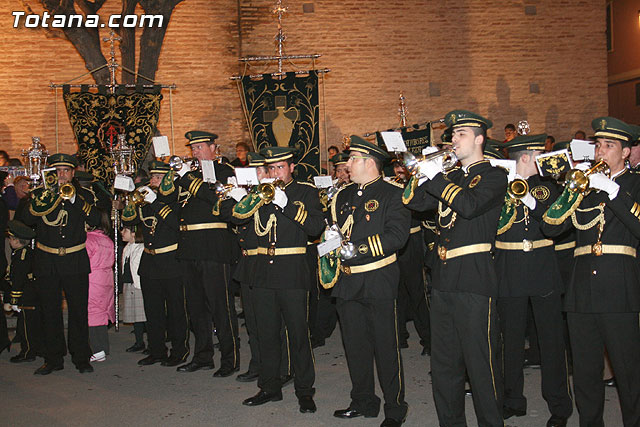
(204, 226)
(346, 269)
(61, 251)
(281, 251)
(163, 250)
(598, 249)
(525, 245)
(564, 246)
(249, 252)
(414, 230)
(446, 254)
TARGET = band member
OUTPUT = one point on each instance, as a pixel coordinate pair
(205, 252)
(603, 297)
(23, 293)
(245, 275)
(370, 215)
(412, 293)
(160, 271)
(464, 332)
(59, 214)
(340, 169)
(281, 277)
(528, 272)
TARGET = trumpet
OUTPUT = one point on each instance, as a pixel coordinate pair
(578, 180)
(176, 163)
(137, 197)
(518, 188)
(67, 191)
(222, 190)
(413, 163)
(267, 190)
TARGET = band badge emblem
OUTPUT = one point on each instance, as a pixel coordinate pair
(527, 245)
(540, 192)
(363, 249)
(442, 253)
(271, 250)
(453, 118)
(346, 269)
(603, 124)
(371, 205)
(475, 181)
(596, 249)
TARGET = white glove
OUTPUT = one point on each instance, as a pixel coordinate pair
(186, 167)
(73, 198)
(601, 182)
(237, 194)
(431, 168)
(529, 201)
(232, 180)
(150, 195)
(583, 166)
(15, 308)
(280, 198)
(7, 306)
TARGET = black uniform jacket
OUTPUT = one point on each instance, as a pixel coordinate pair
(380, 229)
(608, 283)
(159, 221)
(248, 241)
(535, 272)
(69, 233)
(300, 218)
(20, 272)
(475, 198)
(213, 244)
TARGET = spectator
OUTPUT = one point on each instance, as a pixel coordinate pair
(333, 150)
(509, 132)
(4, 158)
(133, 303)
(548, 145)
(580, 135)
(242, 148)
(101, 311)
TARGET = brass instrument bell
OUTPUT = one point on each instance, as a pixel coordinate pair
(176, 163)
(222, 190)
(518, 188)
(578, 180)
(67, 191)
(267, 190)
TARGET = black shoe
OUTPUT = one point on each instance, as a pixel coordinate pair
(195, 366)
(391, 422)
(307, 405)
(468, 392)
(175, 361)
(286, 380)
(135, 348)
(508, 413)
(404, 344)
(150, 360)
(425, 351)
(146, 352)
(247, 377)
(84, 368)
(611, 382)
(557, 421)
(21, 358)
(226, 371)
(351, 413)
(262, 397)
(528, 363)
(315, 343)
(46, 369)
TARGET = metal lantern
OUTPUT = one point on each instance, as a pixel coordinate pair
(122, 155)
(35, 160)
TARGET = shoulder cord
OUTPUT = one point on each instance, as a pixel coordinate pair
(270, 227)
(443, 213)
(60, 221)
(598, 219)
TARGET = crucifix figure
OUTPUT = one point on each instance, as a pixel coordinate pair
(112, 64)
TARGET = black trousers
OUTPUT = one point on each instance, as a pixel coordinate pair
(76, 290)
(370, 333)
(4, 332)
(465, 337)
(547, 313)
(209, 297)
(29, 326)
(412, 299)
(620, 334)
(246, 292)
(165, 309)
(272, 306)
(322, 309)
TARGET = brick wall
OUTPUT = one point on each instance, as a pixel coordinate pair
(482, 55)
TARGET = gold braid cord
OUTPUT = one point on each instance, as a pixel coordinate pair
(443, 213)
(271, 224)
(598, 219)
(60, 221)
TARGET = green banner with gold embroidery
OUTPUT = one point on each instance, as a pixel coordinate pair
(98, 118)
(285, 113)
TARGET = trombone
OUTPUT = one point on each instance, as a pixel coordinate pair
(413, 163)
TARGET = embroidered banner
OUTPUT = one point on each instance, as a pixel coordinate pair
(98, 118)
(285, 113)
